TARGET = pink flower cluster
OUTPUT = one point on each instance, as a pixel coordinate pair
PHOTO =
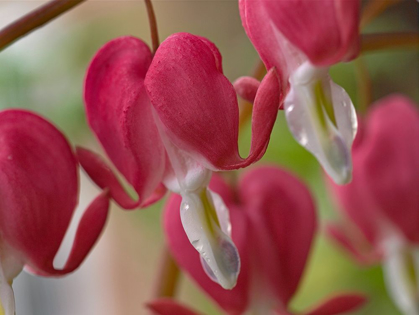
(168, 120)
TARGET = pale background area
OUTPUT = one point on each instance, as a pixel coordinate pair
(44, 73)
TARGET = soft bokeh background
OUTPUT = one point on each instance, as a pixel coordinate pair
(44, 73)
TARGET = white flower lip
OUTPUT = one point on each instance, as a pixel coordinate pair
(208, 228)
(322, 119)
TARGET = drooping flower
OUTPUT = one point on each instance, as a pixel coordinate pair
(302, 39)
(382, 202)
(273, 222)
(38, 197)
(172, 120)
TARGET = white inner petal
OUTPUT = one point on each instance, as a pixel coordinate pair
(322, 119)
(208, 232)
(396, 273)
(203, 213)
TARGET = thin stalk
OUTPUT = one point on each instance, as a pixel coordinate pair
(7, 298)
(153, 25)
(245, 107)
(373, 9)
(168, 276)
(35, 19)
(364, 85)
(376, 42)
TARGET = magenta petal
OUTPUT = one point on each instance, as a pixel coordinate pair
(120, 113)
(389, 162)
(360, 249)
(232, 301)
(246, 88)
(103, 176)
(38, 185)
(326, 31)
(276, 202)
(197, 105)
(166, 306)
(88, 232)
(194, 100)
(386, 172)
(340, 304)
(272, 50)
(265, 110)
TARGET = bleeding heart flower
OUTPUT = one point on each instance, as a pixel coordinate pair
(173, 119)
(382, 202)
(39, 194)
(273, 223)
(302, 39)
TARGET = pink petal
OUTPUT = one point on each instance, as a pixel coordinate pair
(39, 189)
(357, 205)
(360, 249)
(340, 304)
(88, 232)
(276, 202)
(389, 162)
(165, 306)
(326, 31)
(272, 51)
(246, 88)
(232, 301)
(103, 176)
(386, 172)
(120, 114)
(198, 106)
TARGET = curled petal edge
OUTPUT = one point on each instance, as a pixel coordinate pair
(103, 176)
(88, 232)
(166, 306)
(340, 304)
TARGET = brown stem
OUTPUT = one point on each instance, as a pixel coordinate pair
(168, 276)
(35, 19)
(373, 9)
(246, 107)
(364, 86)
(153, 25)
(374, 42)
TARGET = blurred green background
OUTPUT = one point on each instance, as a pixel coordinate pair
(44, 73)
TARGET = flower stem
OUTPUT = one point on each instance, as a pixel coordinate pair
(375, 42)
(153, 25)
(373, 9)
(364, 86)
(245, 107)
(168, 276)
(35, 19)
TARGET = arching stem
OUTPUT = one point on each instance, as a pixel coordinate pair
(35, 19)
(153, 25)
(168, 276)
(373, 9)
(377, 42)
(364, 86)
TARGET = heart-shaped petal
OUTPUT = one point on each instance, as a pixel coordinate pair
(39, 190)
(275, 202)
(326, 31)
(197, 105)
(119, 112)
